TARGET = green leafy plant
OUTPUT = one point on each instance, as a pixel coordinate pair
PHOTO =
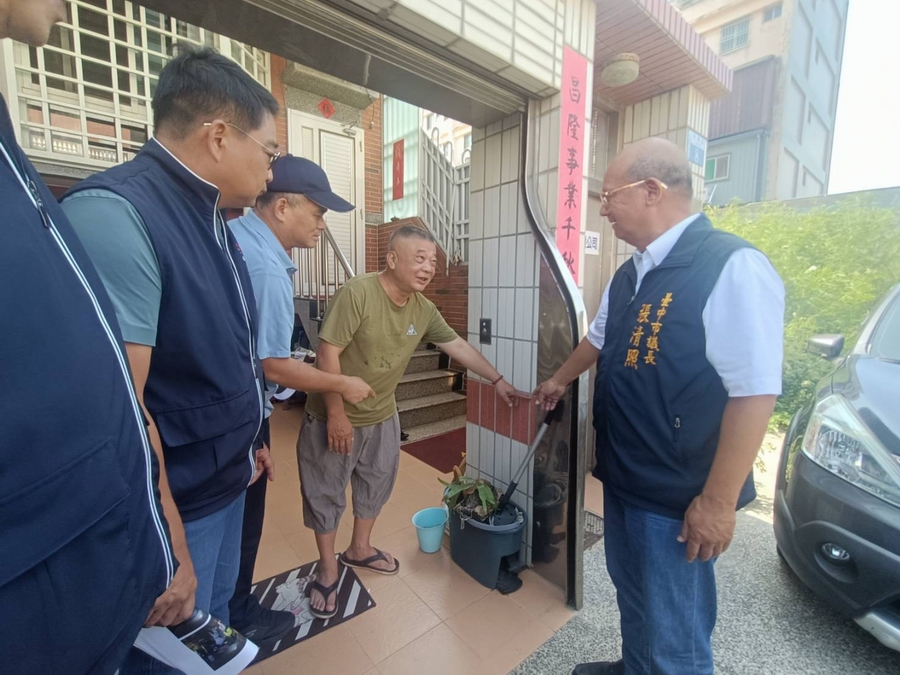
(470, 497)
(835, 263)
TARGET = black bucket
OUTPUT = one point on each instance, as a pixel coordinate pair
(479, 547)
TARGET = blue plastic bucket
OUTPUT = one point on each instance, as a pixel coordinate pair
(430, 528)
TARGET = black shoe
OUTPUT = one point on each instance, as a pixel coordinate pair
(265, 624)
(600, 668)
(404, 436)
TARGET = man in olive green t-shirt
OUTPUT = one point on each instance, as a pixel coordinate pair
(371, 330)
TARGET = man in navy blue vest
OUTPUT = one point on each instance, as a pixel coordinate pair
(84, 546)
(183, 297)
(688, 346)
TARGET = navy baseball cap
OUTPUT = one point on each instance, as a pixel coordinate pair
(301, 176)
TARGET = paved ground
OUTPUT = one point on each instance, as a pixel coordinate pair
(768, 621)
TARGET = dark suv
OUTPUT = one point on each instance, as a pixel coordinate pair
(837, 497)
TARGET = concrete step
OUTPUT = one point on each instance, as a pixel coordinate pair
(428, 383)
(422, 431)
(429, 409)
(424, 360)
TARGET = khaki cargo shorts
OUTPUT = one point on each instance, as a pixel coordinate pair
(370, 468)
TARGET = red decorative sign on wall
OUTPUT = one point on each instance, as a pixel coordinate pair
(398, 169)
(326, 107)
(572, 134)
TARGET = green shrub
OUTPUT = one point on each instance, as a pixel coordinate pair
(835, 264)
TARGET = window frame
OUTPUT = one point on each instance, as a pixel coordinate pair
(99, 119)
(738, 28)
(769, 13)
(717, 160)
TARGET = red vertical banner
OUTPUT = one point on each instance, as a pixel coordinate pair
(572, 134)
(398, 169)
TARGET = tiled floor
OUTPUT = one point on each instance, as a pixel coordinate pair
(593, 495)
(432, 617)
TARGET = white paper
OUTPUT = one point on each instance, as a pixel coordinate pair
(205, 646)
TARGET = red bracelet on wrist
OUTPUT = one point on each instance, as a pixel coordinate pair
(497, 380)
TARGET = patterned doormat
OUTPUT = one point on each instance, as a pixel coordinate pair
(593, 529)
(287, 592)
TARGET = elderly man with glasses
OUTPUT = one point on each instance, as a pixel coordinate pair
(688, 342)
(183, 297)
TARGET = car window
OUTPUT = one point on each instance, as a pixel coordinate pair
(886, 339)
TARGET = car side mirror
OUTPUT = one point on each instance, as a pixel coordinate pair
(826, 346)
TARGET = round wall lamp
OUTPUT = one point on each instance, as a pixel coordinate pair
(620, 70)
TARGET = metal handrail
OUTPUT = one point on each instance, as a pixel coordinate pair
(339, 254)
(324, 269)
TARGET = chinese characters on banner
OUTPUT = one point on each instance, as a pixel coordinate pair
(571, 158)
(398, 169)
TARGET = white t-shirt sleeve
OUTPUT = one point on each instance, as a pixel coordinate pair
(744, 324)
(597, 331)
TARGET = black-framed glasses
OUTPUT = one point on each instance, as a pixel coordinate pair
(273, 154)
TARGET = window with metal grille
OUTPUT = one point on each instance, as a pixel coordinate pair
(718, 168)
(735, 35)
(85, 96)
(771, 13)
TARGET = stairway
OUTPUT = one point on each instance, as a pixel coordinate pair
(429, 396)
(430, 400)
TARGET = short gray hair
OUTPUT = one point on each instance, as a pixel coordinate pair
(266, 199)
(410, 232)
(676, 175)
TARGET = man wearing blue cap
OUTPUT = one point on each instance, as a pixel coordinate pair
(289, 215)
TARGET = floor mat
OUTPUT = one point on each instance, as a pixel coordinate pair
(287, 592)
(441, 452)
(593, 529)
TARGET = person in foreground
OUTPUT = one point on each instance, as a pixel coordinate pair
(84, 545)
(371, 329)
(289, 215)
(688, 346)
(180, 287)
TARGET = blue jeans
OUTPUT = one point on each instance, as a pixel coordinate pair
(667, 605)
(215, 545)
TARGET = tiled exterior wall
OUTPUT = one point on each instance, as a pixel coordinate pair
(374, 151)
(521, 40)
(670, 115)
(503, 287)
(277, 86)
(374, 176)
(504, 281)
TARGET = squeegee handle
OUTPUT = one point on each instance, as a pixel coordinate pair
(548, 420)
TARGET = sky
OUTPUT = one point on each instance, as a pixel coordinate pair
(866, 153)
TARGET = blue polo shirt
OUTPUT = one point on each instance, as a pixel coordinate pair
(271, 273)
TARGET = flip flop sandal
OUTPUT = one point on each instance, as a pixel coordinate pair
(367, 563)
(325, 591)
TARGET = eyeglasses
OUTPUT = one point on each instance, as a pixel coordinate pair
(606, 194)
(273, 154)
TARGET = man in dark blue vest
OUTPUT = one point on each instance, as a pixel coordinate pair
(183, 297)
(688, 346)
(84, 545)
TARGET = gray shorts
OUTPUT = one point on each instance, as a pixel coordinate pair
(370, 468)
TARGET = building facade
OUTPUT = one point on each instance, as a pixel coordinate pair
(771, 138)
(81, 104)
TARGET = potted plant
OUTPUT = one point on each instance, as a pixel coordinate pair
(480, 535)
